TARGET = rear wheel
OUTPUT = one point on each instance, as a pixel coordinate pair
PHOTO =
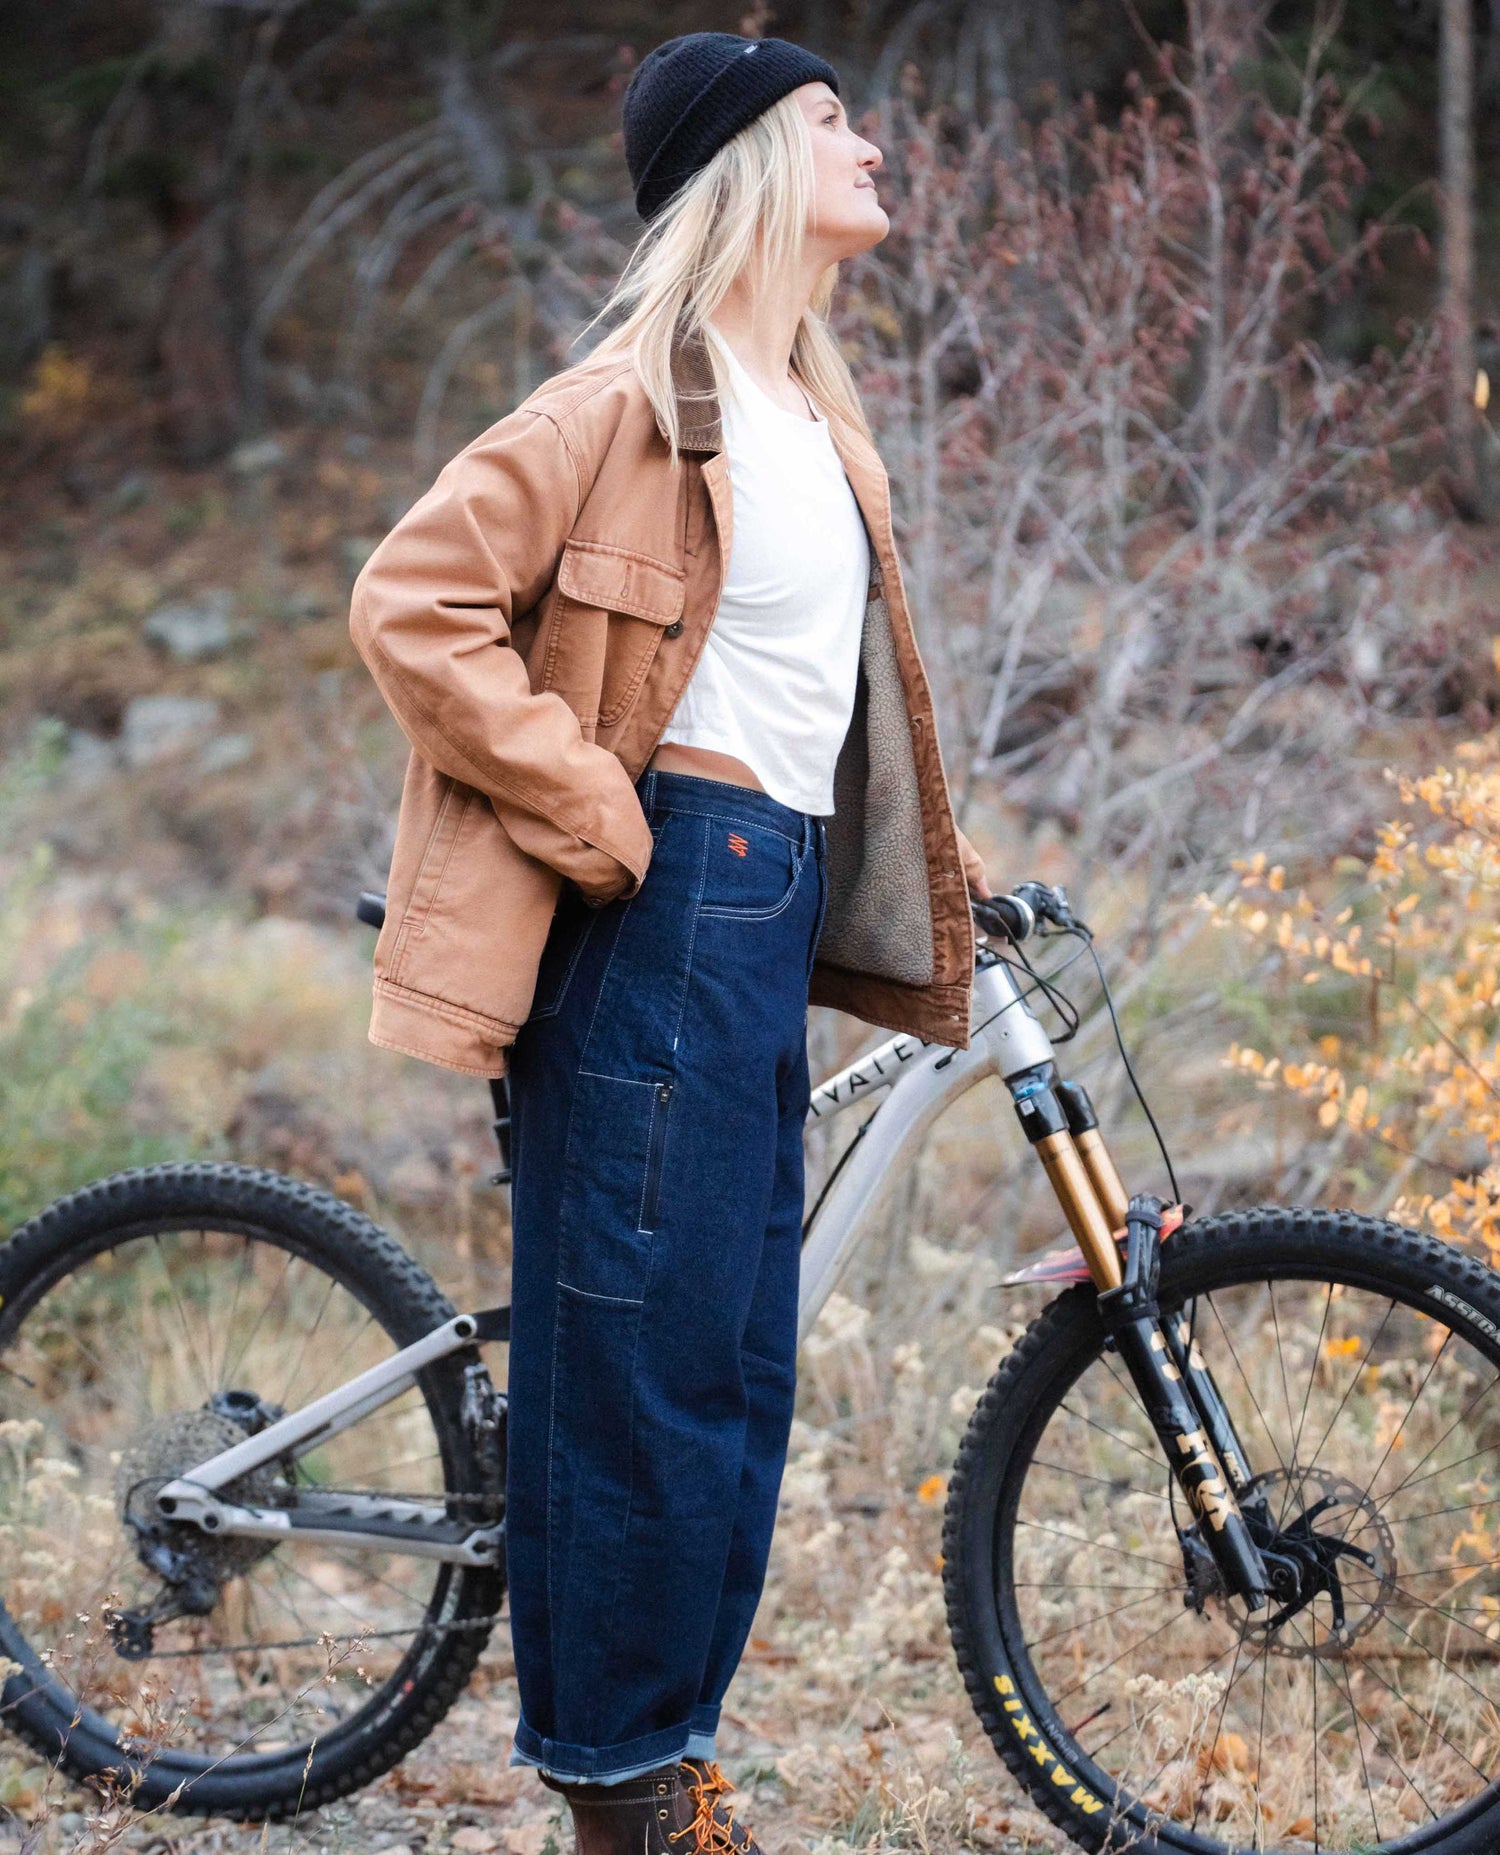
(1141, 1705)
(144, 1323)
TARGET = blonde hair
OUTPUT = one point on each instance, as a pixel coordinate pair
(746, 210)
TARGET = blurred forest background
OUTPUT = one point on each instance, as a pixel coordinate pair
(1179, 357)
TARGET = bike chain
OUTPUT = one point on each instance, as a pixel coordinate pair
(312, 1642)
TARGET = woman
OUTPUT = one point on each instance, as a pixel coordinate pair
(673, 773)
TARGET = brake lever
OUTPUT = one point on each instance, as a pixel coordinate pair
(1049, 902)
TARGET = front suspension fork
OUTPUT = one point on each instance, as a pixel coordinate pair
(1173, 1381)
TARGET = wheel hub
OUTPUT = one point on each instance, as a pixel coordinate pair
(1337, 1545)
(191, 1564)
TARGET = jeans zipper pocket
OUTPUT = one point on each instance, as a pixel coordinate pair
(652, 1194)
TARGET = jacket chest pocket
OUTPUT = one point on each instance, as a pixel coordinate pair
(613, 609)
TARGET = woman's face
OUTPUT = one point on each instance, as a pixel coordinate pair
(847, 216)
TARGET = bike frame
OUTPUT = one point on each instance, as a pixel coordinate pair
(923, 1081)
(1118, 1243)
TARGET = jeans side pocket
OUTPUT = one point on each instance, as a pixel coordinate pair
(655, 1153)
(604, 1246)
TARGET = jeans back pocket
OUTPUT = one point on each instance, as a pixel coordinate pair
(750, 870)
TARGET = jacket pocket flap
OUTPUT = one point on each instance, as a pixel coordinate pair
(594, 573)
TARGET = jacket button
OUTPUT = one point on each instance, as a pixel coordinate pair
(674, 630)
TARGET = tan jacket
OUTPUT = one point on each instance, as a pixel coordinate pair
(532, 621)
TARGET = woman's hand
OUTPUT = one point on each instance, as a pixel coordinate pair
(974, 876)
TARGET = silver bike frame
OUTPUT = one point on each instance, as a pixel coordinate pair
(923, 1079)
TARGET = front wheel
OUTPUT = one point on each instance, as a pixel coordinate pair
(1141, 1705)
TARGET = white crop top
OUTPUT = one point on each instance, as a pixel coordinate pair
(775, 683)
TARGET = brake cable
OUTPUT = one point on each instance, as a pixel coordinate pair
(1085, 934)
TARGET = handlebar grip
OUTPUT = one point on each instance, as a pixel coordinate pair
(1017, 915)
(1009, 915)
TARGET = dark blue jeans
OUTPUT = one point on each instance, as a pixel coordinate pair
(658, 1093)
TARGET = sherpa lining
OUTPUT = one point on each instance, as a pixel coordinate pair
(879, 915)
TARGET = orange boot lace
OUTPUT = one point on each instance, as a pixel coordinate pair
(712, 1833)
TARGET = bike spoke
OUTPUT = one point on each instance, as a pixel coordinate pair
(1354, 1378)
(1103, 1616)
(1234, 1675)
(1117, 1488)
(1255, 1404)
(1155, 1461)
(187, 1333)
(1115, 1661)
(1095, 1545)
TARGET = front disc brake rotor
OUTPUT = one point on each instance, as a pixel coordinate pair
(1336, 1531)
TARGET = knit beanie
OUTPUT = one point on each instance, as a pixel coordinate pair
(689, 96)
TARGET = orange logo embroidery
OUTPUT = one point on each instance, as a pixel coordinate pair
(737, 844)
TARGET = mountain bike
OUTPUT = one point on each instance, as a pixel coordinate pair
(1220, 1544)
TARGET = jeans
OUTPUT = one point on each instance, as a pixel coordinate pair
(658, 1093)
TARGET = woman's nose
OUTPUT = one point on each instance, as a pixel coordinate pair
(871, 157)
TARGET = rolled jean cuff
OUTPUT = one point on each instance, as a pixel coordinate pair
(574, 1764)
(703, 1726)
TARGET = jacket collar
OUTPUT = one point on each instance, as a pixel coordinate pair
(699, 425)
(701, 428)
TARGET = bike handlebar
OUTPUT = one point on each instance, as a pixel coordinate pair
(1018, 914)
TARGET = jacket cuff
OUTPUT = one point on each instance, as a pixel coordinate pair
(619, 875)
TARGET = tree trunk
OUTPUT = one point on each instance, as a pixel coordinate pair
(1456, 110)
(199, 327)
(1489, 68)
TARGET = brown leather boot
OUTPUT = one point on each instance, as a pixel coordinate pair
(648, 1815)
(716, 1831)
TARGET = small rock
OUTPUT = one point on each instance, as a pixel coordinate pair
(192, 631)
(87, 760)
(156, 727)
(299, 607)
(395, 1848)
(527, 1838)
(475, 1841)
(132, 490)
(248, 460)
(225, 751)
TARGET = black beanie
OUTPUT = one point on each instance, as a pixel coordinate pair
(689, 96)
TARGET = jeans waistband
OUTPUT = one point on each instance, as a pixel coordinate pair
(661, 792)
